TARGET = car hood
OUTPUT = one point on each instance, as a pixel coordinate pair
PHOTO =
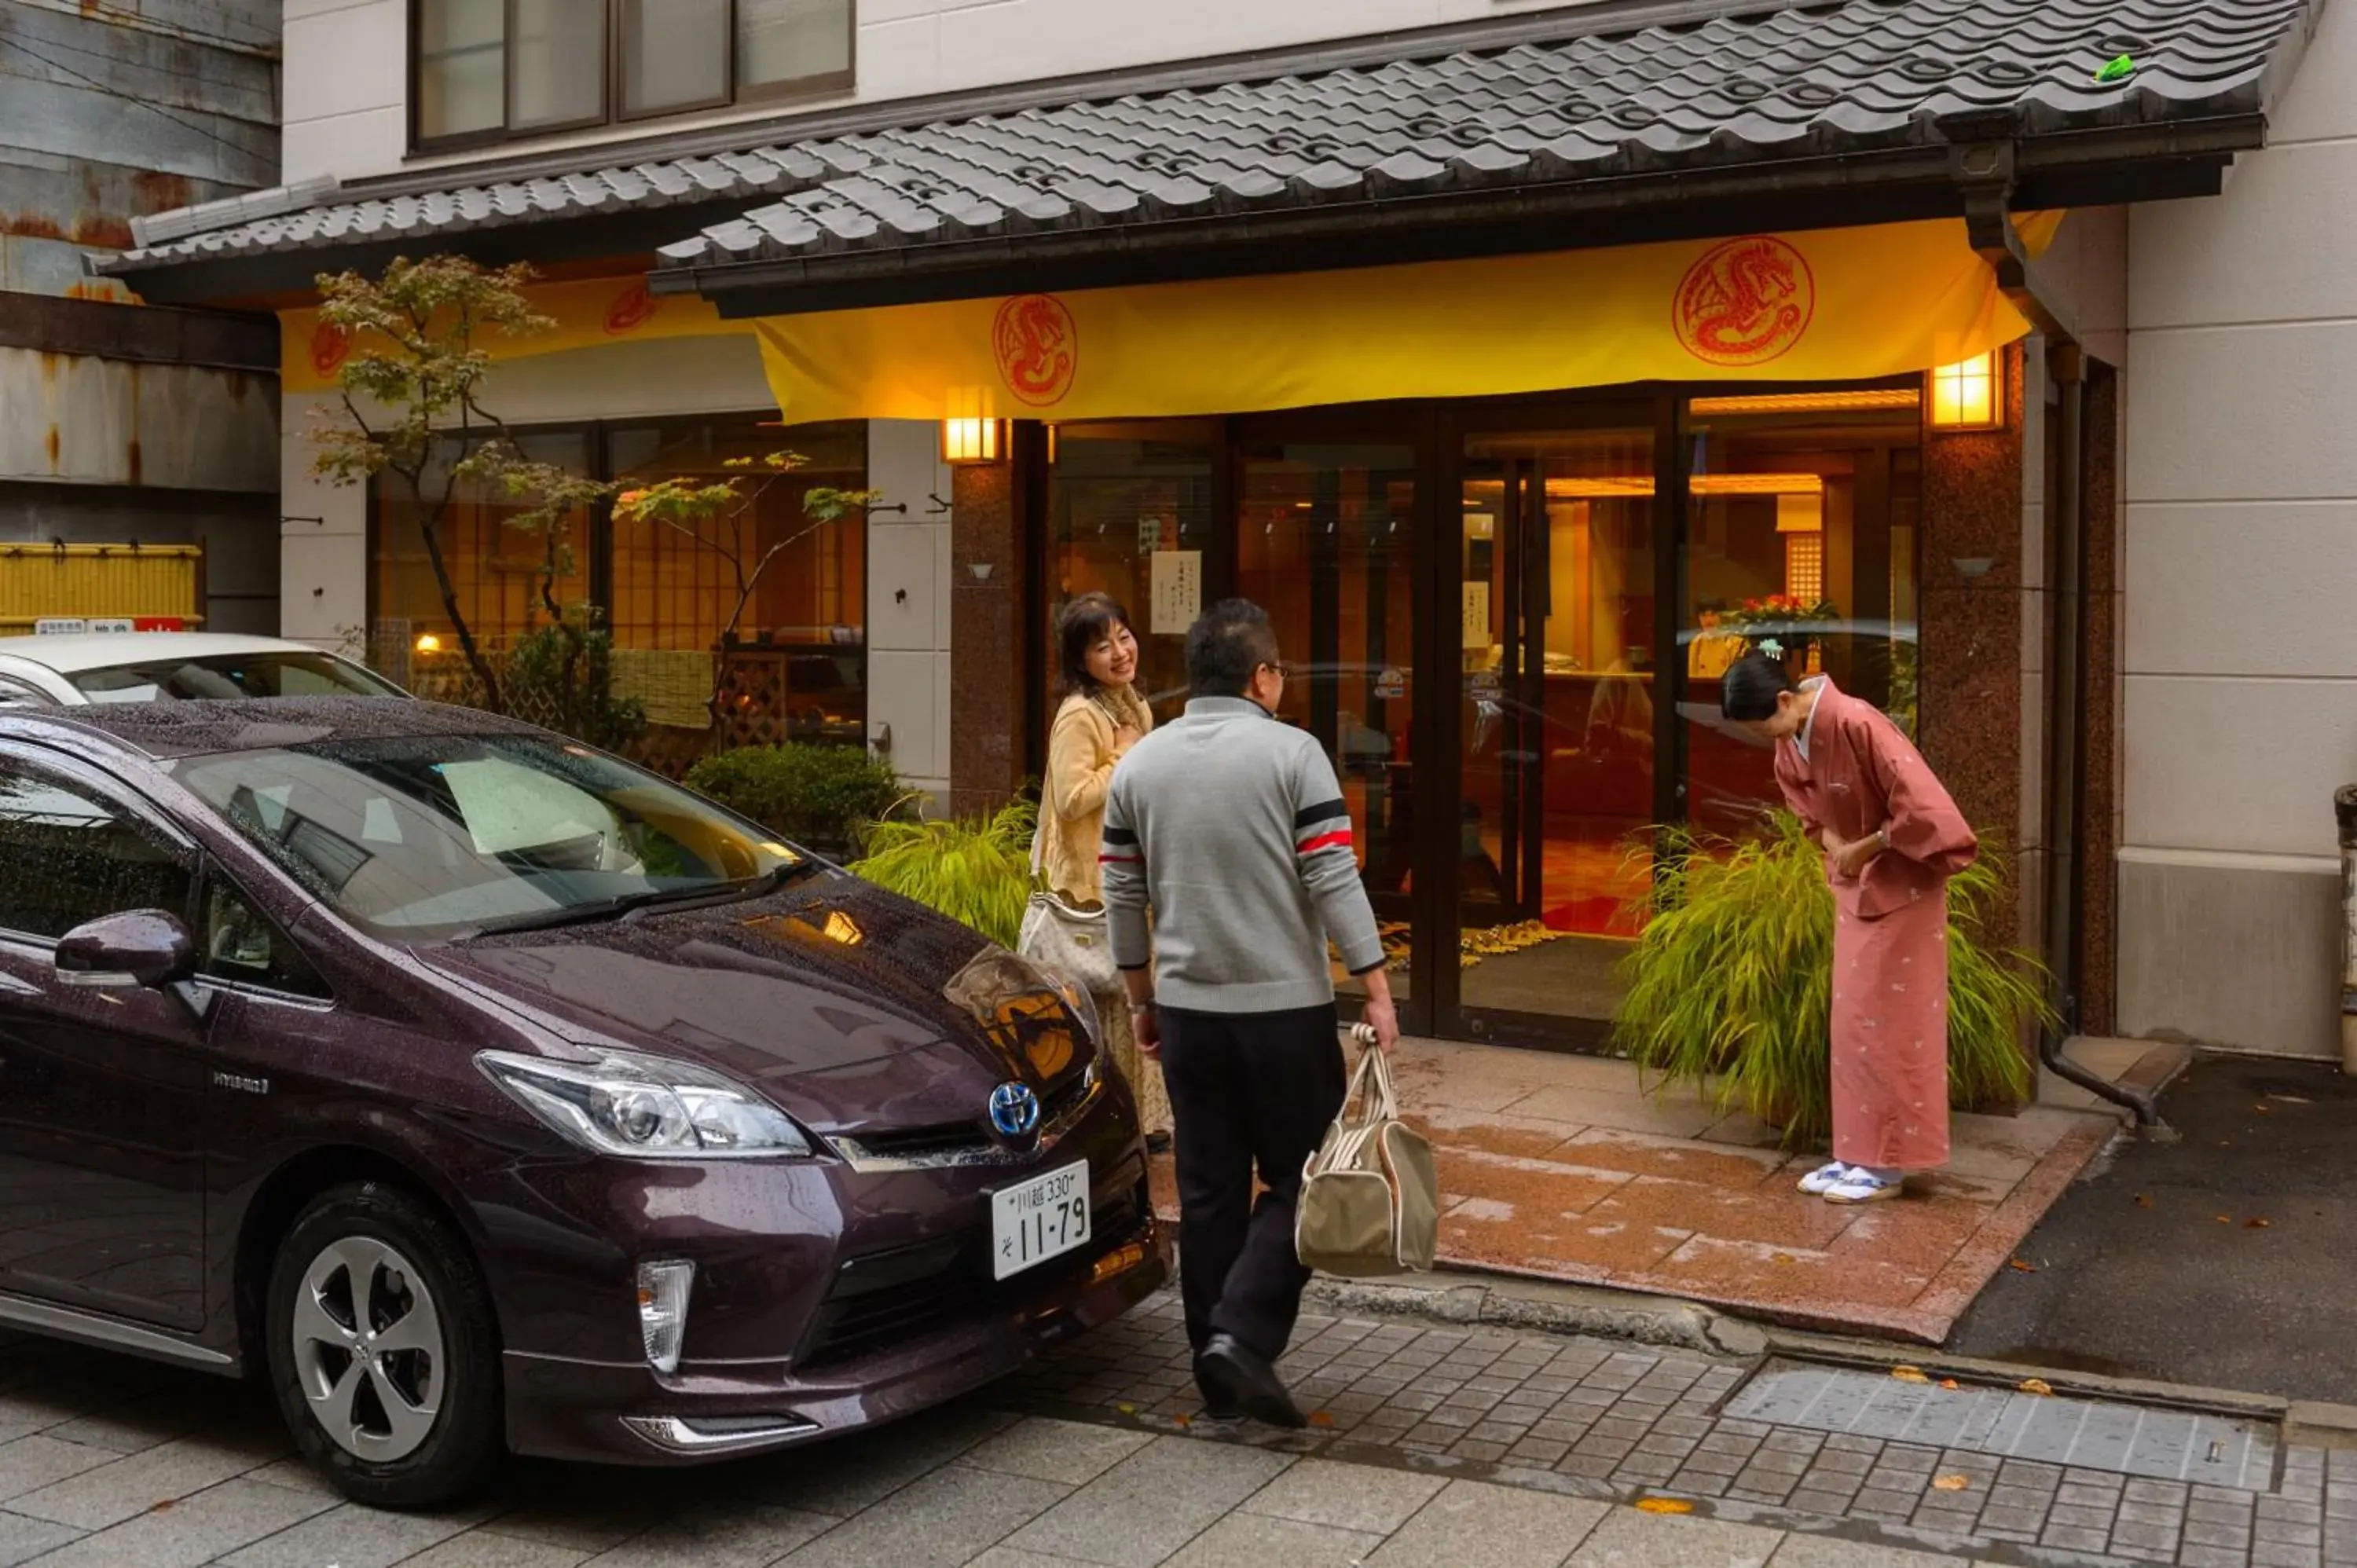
(831, 997)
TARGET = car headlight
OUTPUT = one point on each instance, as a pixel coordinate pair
(646, 1108)
(1082, 1007)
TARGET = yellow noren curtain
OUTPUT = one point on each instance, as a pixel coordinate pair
(1826, 304)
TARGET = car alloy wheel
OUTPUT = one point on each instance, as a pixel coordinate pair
(368, 1346)
(383, 1349)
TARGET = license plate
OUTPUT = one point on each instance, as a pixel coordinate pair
(1038, 1219)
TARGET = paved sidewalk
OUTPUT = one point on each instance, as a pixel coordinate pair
(1434, 1446)
(1563, 1167)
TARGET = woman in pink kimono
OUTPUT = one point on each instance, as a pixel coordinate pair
(1893, 839)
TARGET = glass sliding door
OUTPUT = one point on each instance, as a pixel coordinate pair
(1555, 622)
(1326, 537)
(1800, 542)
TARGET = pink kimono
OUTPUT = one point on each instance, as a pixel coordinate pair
(1858, 773)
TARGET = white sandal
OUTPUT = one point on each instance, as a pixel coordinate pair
(1862, 1185)
(1825, 1178)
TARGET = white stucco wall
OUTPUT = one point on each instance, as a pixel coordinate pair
(2241, 557)
(346, 59)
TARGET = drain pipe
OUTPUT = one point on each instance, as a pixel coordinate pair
(2066, 770)
(2344, 807)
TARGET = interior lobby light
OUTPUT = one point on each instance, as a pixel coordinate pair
(1833, 401)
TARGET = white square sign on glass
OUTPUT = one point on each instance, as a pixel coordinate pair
(1177, 591)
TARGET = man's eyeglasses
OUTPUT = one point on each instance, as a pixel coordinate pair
(1284, 670)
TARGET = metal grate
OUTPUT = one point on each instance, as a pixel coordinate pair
(2094, 1435)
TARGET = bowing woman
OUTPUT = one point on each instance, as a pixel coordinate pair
(1892, 838)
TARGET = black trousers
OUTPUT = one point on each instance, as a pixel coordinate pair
(1247, 1091)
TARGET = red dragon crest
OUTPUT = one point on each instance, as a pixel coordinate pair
(331, 344)
(1037, 348)
(632, 309)
(1746, 302)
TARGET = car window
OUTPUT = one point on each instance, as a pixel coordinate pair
(67, 857)
(429, 836)
(247, 947)
(287, 674)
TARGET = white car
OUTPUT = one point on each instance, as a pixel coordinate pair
(80, 669)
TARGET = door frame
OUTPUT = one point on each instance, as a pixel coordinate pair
(1442, 757)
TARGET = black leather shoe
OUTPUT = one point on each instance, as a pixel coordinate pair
(1219, 1404)
(1235, 1375)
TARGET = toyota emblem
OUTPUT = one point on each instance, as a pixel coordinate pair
(1014, 1110)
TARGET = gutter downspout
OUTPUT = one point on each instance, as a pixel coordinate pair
(2066, 753)
(1985, 170)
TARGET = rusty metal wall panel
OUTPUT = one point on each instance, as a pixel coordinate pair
(80, 89)
(249, 25)
(87, 202)
(110, 422)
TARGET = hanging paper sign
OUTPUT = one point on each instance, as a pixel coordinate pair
(1391, 685)
(1476, 615)
(1149, 535)
(1177, 591)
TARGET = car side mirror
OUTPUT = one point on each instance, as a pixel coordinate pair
(138, 948)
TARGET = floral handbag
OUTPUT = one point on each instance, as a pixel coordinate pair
(1064, 936)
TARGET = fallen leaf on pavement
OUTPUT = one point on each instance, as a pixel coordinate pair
(1910, 1374)
(2144, 1201)
(1952, 1484)
(2258, 1224)
(1321, 1418)
(1950, 1383)
(2038, 1386)
(2226, 1219)
(2259, 1109)
(2021, 1267)
(1664, 1505)
(1127, 1409)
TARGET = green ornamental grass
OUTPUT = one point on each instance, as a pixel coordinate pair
(975, 870)
(1730, 989)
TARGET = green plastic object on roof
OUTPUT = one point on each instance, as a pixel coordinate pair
(2118, 69)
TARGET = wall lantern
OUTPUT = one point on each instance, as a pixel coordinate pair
(1969, 394)
(972, 441)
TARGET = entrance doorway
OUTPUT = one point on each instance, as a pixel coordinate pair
(1505, 624)
(1554, 753)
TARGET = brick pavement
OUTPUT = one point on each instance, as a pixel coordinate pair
(1439, 1446)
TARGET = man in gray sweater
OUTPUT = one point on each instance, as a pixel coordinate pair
(1230, 828)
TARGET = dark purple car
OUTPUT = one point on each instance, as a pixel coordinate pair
(487, 1093)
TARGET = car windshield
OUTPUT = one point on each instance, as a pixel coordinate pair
(290, 674)
(430, 838)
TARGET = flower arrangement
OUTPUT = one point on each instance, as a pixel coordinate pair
(1776, 609)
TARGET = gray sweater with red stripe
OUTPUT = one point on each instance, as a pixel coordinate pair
(1230, 828)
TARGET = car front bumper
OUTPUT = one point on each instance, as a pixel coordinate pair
(563, 1408)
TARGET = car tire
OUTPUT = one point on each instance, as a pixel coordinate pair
(384, 1349)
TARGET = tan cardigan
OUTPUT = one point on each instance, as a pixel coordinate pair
(1081, 758)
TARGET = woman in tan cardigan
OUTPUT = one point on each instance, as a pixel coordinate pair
(1102, 717)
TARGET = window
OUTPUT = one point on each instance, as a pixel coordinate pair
(244, 948)
(68, 857)
(485, 69)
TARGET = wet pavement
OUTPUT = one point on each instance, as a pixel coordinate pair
(1432, 1446)
(2226, 1259)
(1564, 1167)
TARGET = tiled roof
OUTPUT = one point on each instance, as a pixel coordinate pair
(1589, 102)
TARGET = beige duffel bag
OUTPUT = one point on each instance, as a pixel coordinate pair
(1370, 1202)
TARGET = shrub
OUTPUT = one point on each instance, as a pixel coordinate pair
(819, 796)
(1733, 978)
(561, 677)
(975, 870)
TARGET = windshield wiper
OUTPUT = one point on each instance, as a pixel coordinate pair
(625, 904)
